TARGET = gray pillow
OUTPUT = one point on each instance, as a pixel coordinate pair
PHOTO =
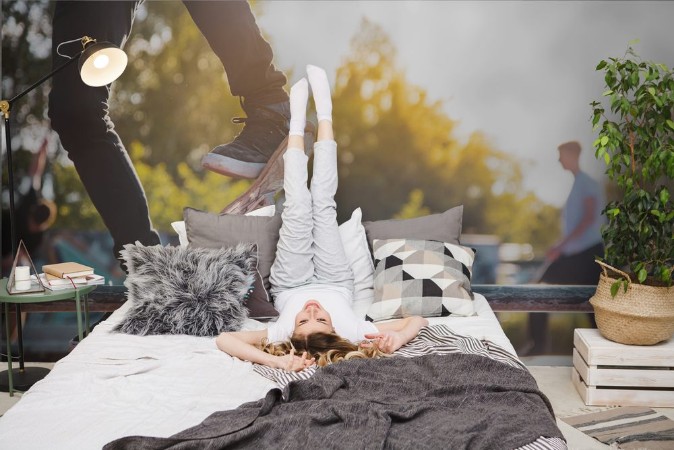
(186, 290)
(443, 227)
(209, 230)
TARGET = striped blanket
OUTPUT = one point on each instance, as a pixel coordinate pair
(627, 428)
(456, 392)
(435, 339)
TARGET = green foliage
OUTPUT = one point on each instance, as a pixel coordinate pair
(75, 209)
(167, 195)
(173, 97)
(414, 207)
(636, 140)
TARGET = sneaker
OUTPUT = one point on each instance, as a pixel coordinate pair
(264, 130)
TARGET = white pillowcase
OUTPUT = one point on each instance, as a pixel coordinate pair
(266, 211)
(355, 245)
(179, 227)
(357, 252)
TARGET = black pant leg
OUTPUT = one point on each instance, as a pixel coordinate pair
(231, 31)
(79, 114)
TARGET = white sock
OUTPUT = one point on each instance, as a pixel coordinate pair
(299, 94)
(321, 90)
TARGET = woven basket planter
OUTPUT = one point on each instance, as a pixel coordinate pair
(644, 315)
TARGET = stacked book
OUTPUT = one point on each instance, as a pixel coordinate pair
(68, 275)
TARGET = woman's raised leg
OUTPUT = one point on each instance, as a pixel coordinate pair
(293, 265)
(330, 262)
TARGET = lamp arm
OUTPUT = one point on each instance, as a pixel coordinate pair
(5, 105)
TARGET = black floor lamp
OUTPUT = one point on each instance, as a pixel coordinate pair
(100, 63)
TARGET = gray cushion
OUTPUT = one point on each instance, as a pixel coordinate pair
(209, 230)
(421, 278)
(443, 227)
(194, 291)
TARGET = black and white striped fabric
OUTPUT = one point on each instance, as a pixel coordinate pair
(435, 339)
(543, 443)
(633, 427)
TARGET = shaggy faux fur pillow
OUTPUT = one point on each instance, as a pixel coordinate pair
(194, 291)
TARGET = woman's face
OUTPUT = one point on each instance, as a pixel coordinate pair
(313, 319)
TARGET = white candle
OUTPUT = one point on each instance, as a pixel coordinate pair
(22, 273)
(22, 285)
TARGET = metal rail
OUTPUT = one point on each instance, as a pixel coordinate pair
(531, 298)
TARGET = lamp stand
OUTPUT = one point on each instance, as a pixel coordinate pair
(22, 377)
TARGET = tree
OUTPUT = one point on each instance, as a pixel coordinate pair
(398, 148)
(26, 50)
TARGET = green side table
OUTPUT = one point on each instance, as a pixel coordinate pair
(77, 294)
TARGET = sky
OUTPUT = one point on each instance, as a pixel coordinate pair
(522, 73)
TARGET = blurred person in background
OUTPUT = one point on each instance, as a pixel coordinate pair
(572, 259)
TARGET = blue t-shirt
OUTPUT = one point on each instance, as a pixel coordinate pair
(583, 187)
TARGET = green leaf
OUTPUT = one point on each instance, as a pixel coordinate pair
(664, 196)
(651, 91)
(595, 120)
(642, 275)
(607, 93)
(614, 288)
(670, 123)
(601, 65)
(603, 141)
(607, 159)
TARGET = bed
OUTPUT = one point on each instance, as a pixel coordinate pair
(114, 385)
(459, 384)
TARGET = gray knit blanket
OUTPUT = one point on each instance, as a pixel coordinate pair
(433, 401)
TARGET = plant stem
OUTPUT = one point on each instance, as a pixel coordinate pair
(631, 134)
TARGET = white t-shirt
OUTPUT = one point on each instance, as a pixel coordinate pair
(336, 300)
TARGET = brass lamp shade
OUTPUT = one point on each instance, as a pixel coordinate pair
(101, 63)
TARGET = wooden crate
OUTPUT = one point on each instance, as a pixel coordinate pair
(607, 373)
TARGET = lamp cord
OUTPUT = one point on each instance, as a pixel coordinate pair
(58, 47)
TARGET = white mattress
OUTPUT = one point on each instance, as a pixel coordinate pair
(114, 385)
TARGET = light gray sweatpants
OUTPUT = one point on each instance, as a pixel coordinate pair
(309, 248)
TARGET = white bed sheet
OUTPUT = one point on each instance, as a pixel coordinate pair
(114, 385)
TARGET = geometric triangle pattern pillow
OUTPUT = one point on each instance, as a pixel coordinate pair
(415, 277)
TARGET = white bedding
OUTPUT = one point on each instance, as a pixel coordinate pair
(114, 385)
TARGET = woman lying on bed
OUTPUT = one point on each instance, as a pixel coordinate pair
(311, 280)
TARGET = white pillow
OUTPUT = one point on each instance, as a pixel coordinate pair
(266, 211)
(179, 227)
(357, 252)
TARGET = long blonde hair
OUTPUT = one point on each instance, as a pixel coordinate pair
(325, 348)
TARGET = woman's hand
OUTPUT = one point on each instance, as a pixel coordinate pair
(387, 341)
(394, 334)
(294, 363)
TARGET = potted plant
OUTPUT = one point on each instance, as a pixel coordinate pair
(634, 302)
